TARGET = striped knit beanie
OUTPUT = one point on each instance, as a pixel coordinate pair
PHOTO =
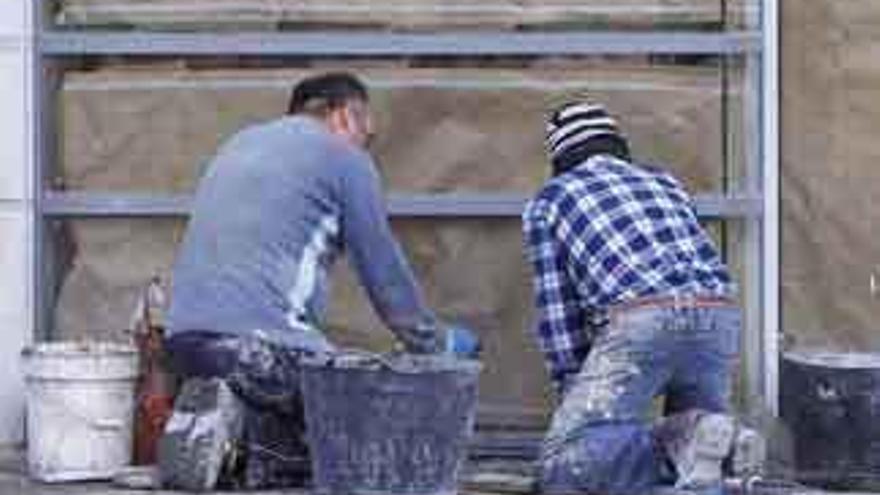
(575, 124)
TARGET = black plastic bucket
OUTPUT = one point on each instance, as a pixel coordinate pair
(831, 404)
(396, 425)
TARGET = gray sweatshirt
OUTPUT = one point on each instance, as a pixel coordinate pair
(275, 206)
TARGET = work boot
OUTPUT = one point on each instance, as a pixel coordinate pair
(200, 434)
(276, 455)
(697, 443)
(748, 454)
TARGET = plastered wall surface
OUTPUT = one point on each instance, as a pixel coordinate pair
(830, 179)
(472, 272)
(153, 129)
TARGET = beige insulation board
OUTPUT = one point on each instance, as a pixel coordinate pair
(151, 130)
(406, 14)
(472, 272)
(830, 174)
(437, 130)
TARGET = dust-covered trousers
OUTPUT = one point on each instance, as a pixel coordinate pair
(266, 376)
(601, 439)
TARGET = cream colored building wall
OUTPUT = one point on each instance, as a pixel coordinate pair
(15, 213)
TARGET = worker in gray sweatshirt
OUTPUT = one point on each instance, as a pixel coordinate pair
(276, 205)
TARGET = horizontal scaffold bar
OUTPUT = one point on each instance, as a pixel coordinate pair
(335, 43)
(450, 205)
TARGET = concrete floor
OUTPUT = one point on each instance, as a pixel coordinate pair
(14, 481)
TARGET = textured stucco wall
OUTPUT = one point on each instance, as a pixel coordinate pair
(151, 130)
(154, 128)
(830, 178)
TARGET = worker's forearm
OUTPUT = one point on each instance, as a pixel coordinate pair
(394, 293)
(381, 266)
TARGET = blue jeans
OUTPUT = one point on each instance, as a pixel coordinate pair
(601, 439)
(262, 373)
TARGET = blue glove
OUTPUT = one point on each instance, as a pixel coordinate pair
(462, 342)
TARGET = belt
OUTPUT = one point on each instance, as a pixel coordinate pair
(674, 301)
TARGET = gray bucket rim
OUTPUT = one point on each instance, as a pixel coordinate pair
(414, 364)
(832, 359)
(78, 349)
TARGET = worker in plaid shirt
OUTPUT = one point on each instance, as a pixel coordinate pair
(633, 301)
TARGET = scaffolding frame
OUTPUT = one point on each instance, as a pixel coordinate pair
(757, 205)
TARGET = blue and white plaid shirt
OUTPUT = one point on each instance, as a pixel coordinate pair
(604, 233)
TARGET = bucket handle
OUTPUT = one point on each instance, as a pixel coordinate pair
(98, 424)
(367, 357)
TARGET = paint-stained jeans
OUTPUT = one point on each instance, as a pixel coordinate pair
(266, 377)
(601, 439)
(264, 374)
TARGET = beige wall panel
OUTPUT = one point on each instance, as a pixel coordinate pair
(830, 178)
(472, 272)
(742, 14)
(153, 130)
(149, 138)
(108, 263)
(393, 13)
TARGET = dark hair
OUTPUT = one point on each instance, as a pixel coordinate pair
(322, 93)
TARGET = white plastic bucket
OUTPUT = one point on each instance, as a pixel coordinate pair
(80, 400)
